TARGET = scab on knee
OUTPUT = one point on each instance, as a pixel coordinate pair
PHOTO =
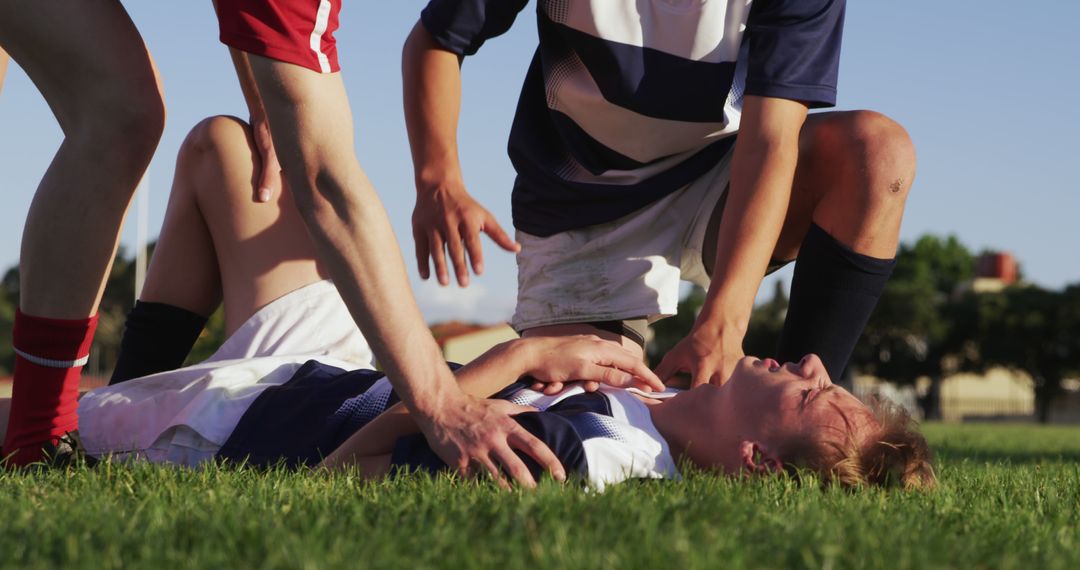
(888, 151)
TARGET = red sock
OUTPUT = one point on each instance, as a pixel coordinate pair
(49, 356)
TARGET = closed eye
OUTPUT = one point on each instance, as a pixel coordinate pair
(811, 394)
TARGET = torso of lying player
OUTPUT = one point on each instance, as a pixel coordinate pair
(267, 412)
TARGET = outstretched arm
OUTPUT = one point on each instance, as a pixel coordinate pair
(446, 218)
(311, 124)
(549, 359)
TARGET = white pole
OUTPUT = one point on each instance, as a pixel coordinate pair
(142, 215)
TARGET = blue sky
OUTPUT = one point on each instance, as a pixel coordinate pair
(987, 89)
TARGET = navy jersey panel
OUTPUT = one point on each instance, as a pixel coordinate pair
(795, 49)
(627, 101)
(289, 423)
(462, 26)
(308, 417)
(412, 452)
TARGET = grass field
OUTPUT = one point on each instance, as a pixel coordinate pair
(1010, 498)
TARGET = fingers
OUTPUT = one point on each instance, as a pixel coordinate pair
(443, 242)
(552, 388)
(456, 235)
(629, 362)
(438, 257)
(669, 368)
(530, 445)
(270, 176)
(422, 252)
(475, 249)
(486, 464)
(702, 374)
(497, 235)
(598, 373)
(513, 466)
(266, 184)
(457, 257)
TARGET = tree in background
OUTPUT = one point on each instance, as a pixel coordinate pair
(1037, 331)
(115, 303)
(915, 331)
(9, 302)
(766, 324)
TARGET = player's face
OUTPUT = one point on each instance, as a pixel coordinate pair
(797, 399)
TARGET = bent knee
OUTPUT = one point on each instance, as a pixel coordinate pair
(131, 128)
(218, 157)
(213, 134)
(884, 142)
(875, 151)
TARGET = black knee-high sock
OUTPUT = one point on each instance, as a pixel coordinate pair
(833, 293)
(157, 337)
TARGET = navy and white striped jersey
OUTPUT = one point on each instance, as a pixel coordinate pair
(627, 101)
(602, 437)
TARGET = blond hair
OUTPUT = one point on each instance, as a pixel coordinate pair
(894, 455)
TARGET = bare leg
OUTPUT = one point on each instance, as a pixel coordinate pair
(217, 243)
(852, 180)
(90, 64)
(855, 171)
(87, 59)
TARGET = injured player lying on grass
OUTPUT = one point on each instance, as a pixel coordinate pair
(767, 418)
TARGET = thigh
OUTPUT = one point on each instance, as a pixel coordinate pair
(184, 268)
(626, 269)
(263, 250)
(817, 135)
(806, 193)
(85, 56)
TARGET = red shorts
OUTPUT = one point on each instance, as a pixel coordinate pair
(294, 31)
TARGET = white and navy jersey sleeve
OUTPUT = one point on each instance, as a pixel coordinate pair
(602, 438)
(303, 420)
(462, 26)
(795, 49)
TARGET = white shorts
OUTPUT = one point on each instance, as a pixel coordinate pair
(626, 269)
(184, 416)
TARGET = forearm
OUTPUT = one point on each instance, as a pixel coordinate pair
(481, 378)
(246, 77)
(247, 82)
(432, 94)
(312, 130)
(762, 171)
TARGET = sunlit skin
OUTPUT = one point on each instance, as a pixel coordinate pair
(741, 426)
(744, 424)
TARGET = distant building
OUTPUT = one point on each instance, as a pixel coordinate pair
(994, 271)
(463, 342)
